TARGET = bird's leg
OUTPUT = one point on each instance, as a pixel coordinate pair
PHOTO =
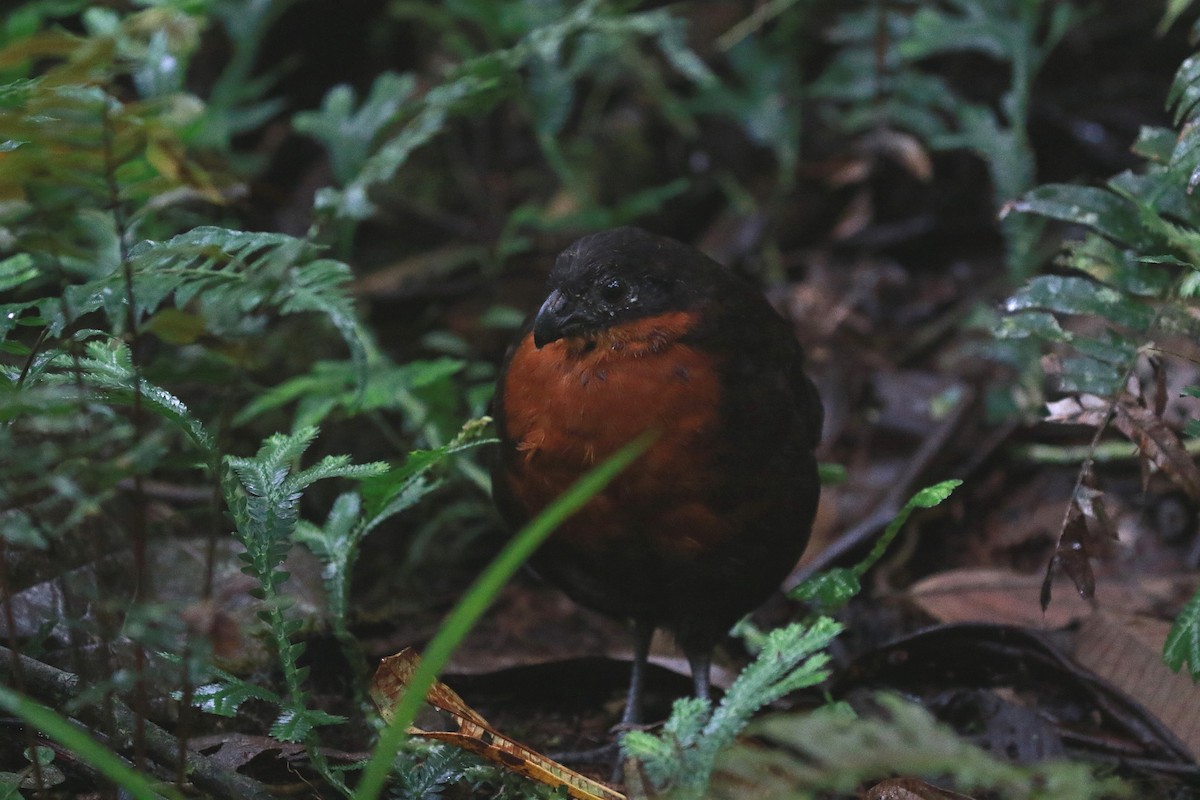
(643, 631)
(701, 662)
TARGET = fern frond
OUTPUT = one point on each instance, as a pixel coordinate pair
(685, 754)
(554, 53)
(108, 367)
(232, 275)
(830, 750)
(1183, 642)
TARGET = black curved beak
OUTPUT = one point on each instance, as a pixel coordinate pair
(554, 320)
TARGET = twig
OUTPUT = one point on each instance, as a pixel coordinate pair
(56, 687)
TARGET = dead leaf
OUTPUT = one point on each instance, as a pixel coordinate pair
(857, 215)
(1087, 533)
(474, 734)
(1127, 652)
(910, 789)
(993, 595)
(1159, 445)
(1158, 442)
(1160, 385)
(1070, 556)
(1010, 598)
(903, 148)
(1084, 409)
(233, 751)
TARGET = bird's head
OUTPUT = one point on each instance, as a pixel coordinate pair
(619, 276)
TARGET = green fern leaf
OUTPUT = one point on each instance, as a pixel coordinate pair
(331, 384)
(382, 493)
(264, 494)
(294, 725)
(225, 697)
(828, 590)
(108, 367)
(322, 286)
(1073, 295)
(1184, 94)
(1095, 207)
(790, 659)
(231, 274)
(1119, 268)
(832, 751)
(1183, 641)
(685, 754)
(546, 63)
(17, 270)
(332, 541)
(349, 134)
(335, 467)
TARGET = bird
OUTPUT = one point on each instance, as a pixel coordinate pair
(642, 334)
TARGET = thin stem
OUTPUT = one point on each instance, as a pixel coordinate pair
(139, 527)
(33, 351)
(643, 632)
(18, 674)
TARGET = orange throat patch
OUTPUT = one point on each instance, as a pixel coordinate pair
(574, 402)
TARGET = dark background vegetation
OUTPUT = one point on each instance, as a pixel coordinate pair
(258, 264)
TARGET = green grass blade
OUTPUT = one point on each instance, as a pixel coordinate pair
(78, 742)
(475, 602)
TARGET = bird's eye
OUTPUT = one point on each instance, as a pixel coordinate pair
(614, 290)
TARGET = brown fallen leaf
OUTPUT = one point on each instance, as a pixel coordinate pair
(910, 789)
(1127, 652)
(474, 733)
(1159, 445)
(993, 595)
(233, 751)
(1006, 597)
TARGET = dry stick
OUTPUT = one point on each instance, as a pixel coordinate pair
(56, 688)
(892, 502)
